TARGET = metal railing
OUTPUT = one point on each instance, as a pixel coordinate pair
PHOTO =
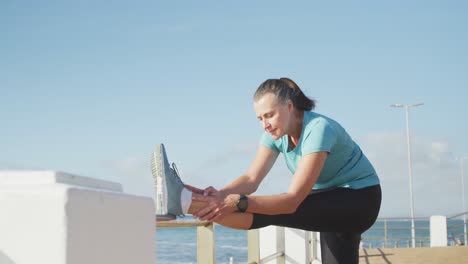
(457, 234)
(396, 232)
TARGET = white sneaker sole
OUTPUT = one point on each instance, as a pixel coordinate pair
(158, 169)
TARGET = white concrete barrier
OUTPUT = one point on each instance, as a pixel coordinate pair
(438, 224)
(58, 218)
(271, 244)
(297, 246)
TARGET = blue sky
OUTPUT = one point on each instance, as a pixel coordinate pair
(90, 87)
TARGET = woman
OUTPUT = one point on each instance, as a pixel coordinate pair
(334, 189)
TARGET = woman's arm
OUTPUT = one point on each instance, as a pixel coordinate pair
(258, 169)
(307, 173)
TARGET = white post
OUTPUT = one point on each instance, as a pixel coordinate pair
(272, 246)
(253, 241)
(463, 198)
(438, 229)
(205, 244)
(410, 170)
(315, 249)
(297, 249)
(58, 218)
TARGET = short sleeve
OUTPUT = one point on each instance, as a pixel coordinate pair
(267, 141)
(319, 136)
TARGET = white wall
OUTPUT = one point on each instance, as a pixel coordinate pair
(54, 217)
(299, 246)
(438, 231)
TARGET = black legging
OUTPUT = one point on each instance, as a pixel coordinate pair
(340, 215)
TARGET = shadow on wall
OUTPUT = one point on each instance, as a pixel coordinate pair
(4, 259)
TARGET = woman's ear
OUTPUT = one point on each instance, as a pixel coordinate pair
(290, 105)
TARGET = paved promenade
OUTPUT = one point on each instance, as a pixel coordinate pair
(427, 255)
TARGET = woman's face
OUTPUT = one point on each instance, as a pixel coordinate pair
(273, 116)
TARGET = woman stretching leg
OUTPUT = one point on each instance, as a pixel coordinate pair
(334, 188)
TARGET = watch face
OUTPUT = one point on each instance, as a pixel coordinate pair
(242, 204)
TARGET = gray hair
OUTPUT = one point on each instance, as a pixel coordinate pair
(285, 89)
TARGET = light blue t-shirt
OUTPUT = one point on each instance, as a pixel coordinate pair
(346, 165)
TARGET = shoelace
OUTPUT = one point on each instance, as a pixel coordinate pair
(174, 167)
(177, 176)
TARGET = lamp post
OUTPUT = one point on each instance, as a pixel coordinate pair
(410, 170)
(463, 195)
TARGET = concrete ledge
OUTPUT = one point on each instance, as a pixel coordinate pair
(55, 177)
(59, 218)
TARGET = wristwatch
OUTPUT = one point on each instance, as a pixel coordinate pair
(243, 203)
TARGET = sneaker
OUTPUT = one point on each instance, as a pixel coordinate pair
(168, 186)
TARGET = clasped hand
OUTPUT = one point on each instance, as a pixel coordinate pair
(216, 205)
